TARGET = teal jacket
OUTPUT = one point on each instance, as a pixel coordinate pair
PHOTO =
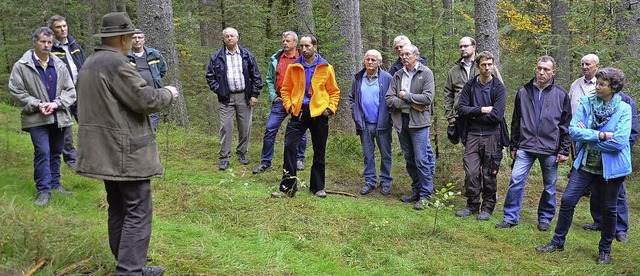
(616, 152)
(271, 75)
(156, 62)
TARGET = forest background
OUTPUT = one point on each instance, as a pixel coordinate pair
(188, 32)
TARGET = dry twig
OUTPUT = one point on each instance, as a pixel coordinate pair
(41, 263)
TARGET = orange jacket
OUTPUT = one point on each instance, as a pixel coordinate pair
(324, 88)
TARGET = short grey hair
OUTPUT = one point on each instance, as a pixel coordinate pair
(54, 19)
(42, 30)
(292, 34)
(374, 53)
(402, 38)
(230, 30)
(593, 57)
(547, 59)
(414, 49)
(616, 78)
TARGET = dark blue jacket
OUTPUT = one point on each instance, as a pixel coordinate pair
(469, 114)
(396, 66)
(156, 62)
(74, 50)
(549, 136)
(634, 118)
(355, 101)
(217, 75)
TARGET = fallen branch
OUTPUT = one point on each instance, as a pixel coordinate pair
(72, 267)
(340, 193)
(41, 263)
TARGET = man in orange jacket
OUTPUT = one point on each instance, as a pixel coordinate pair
(310, 94)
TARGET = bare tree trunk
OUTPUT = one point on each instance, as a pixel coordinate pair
(448, 6)
(346, 55)
(560, 30)
(487, 28)
(306, 24)
(628, 23)
(210, 26)
(155, 18)
(88, 26)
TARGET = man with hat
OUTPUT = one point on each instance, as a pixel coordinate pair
(116, 142)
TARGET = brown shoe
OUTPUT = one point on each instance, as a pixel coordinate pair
(321, 194)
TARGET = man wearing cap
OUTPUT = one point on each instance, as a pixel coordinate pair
(151, 66)
(66, 49)
(233, 75)
(42, 88)
(116, 142)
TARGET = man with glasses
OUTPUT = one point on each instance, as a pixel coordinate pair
(461, 72)
(410, 97)
(151, 66)
(399, 42)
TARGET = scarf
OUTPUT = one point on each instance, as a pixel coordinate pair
(602, 111)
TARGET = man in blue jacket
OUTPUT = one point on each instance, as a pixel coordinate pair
(66, 49)
(373, 120)
(233, 75)
(539, 131)
(151, 66)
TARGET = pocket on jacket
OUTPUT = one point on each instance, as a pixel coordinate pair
(494, 164)
(139, 142)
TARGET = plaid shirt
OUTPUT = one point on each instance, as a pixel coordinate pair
(235, 78)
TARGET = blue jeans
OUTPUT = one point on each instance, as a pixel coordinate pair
(622, 221)
(48, 143)
(369, 137)
(418, 154)
(276, 117)
(515, 193)
(579, 182)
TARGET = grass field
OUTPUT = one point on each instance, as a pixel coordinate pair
(208, 222)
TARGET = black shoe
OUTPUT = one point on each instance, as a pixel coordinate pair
(622, 237)
(413, 196)
(43, 198)
(543, 226)
(505, 224)
(62, 191)
(591, 227)
(262, 168)
(550, 248)
(603, 258)
(243, 159)
(385, 190)
(71, 164)
(366, 189)
(484, 215)
(421, 204)
(152, 271)
(464, 213)
(587, 193)
(224, 165)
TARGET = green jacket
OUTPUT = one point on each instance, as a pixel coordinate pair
(28, 91)
(456, 79)
(115, 139)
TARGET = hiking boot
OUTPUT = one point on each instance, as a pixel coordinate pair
(505, 224)
(543, 226)
(413, 196)
(243, 159)
(223, 165)
(42, 198)
(262, 168)
(603, 258)
(321, 194)
(550, 248)
(484, 215)
(366, 189)
(464, 213)
(152, 271)
(385, 190)
(622, 237)
(62, 191)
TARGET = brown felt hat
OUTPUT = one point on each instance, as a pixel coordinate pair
(115, 24)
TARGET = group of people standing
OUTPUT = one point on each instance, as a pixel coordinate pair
(120, 93)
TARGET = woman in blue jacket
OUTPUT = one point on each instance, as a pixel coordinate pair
(600, 127)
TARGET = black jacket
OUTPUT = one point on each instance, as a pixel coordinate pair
(217, 75)
(468, 114)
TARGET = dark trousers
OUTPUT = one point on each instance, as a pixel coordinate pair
(48, 141)
(579, 182)
(319, 129)
(479, 154)
(69, 151)
(129, 223)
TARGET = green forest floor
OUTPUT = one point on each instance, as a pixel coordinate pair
(208, 222)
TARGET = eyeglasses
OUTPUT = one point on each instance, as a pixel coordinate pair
(464, 46)
(602, 84)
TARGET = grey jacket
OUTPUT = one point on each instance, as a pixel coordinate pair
(28, 91)
(421, 93)
(115, 138)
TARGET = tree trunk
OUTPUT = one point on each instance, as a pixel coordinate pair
(345, 58)
(560, 30)
(628, 23)
(155, 18)
(306, 24)
(487, 28)
(448, 6)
